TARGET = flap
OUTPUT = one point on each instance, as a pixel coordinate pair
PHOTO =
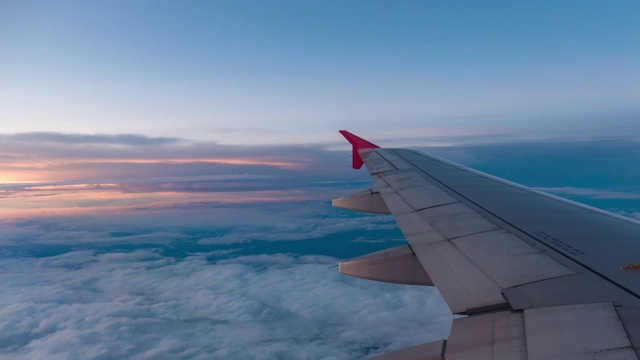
(429, 351)
(585, 331)
(497, 336)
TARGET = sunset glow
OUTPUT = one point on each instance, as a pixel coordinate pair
(238, 161)
(101, 199)
(27, 171)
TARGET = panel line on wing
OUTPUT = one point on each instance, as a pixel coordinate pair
(435, 206)
(470, 258)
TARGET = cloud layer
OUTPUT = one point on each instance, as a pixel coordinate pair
(142, 305)
(231, 281)
(203, 261)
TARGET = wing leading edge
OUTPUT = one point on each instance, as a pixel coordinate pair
(537, 276)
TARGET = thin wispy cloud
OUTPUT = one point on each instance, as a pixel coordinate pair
(631, 214)
(590, 193)
(164, 194)
(42, 157)
(70, 138)
(205, 225)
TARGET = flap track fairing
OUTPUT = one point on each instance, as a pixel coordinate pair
(396, 265)
(363, 201)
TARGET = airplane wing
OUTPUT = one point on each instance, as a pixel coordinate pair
(536, 276)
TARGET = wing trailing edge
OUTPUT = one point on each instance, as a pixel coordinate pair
(429, 351)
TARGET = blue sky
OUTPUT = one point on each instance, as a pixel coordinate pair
(167, 167)
(293, 72)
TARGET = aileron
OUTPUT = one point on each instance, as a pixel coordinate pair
(495, 336)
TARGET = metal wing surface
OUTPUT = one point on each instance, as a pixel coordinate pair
(536, 276)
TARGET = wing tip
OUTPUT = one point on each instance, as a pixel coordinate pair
(357, 143)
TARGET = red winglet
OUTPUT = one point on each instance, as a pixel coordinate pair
(358, 144)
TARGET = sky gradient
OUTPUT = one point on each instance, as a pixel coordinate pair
(239, 72)
(166, 167)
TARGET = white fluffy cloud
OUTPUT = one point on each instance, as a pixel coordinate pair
(144, 286)
(142, 305)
